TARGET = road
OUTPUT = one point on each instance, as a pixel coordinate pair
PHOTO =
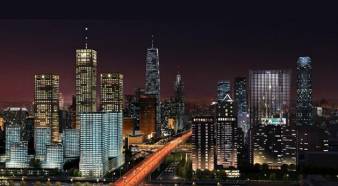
(136, 175)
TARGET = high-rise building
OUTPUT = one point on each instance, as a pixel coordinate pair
(226, 126)
(71, 143)
(54, 157)
(269, 96)
(147, 115)
(223, 88)
(13, 135)
(179, 102)
(15, 115)
(241, 100)
(18, 156)
(304, 113)
(203, 145)
(272, 139)
(42, 138)
(46, 103)
(100, 140)
(86, 62)
(111, 92)
(152, 84)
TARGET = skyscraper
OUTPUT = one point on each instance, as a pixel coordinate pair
(100, 140)
(86, 62)
(241, 100)
(152, 84)
(179, 102)
(223, 88)
(269, 96)
(226, 126)
(46, 103)
(111, 92)
(304, 115)
(203, 145)
(42, 138)
(13, 135)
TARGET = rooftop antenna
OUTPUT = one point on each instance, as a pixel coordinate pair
(86, 37)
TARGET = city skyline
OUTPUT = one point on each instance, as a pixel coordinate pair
(180, 51)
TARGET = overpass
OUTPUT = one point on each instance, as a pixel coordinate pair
(136, 175)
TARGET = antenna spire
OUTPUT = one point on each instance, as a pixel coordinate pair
(86, 37)
(152, 40)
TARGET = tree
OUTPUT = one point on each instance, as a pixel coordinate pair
(35, 163)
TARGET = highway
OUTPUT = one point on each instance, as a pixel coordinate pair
(136, 175)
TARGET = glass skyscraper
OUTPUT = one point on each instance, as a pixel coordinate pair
(179, 103)
(18, 156)
(223, 88)
(100, 139)
(111, 92)
(71, 143)
(13, 135)
(54, 157)
(241, 100)
(46, 103)
(86, 62)
(269, 96)
(304, 115)
(42, 138)
(152, 84)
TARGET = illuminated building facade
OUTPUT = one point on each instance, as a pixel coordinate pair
(269, 95)
(179, 102)
(152, 84)
(15, 115)
(241, 100)
(223, 88)
(274, 145)
(42, 138)
(111, 92)
(71, 143)
(13, 135)
(226, 126)
(304, 114)
(203, 143)
(100, 140)
(86, 62)
(18, 155)
(54, 157)
(46, 104)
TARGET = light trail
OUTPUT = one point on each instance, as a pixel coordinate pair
(136, 175)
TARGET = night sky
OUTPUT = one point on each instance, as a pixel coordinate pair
(204, 45)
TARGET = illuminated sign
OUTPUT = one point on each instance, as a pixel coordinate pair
(273, 121)
(232, 173)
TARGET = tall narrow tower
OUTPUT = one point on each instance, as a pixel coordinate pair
(152, 85)
(179, 102)
(111, 99)
(304, 116)
(46, 104)
(86, 63)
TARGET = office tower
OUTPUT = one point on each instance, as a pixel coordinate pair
(61, 101)
(86, 62)
(72, 110)
(223, 88)
(269, 96)
(147, 115)
(111, 92)
(152, 84)
(65, 119)
(304, 115)
(15, 115)
(13, 135)
(54, 157)
(18, 156)
(179, 102)
(100, 140)
(46, 104)
(226, 126)
(71, 143)
(312, 139)
(42, 138)
(241, 101)
(203, 143)
(274, 145)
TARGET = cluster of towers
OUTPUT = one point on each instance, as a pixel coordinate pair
(257, 126)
